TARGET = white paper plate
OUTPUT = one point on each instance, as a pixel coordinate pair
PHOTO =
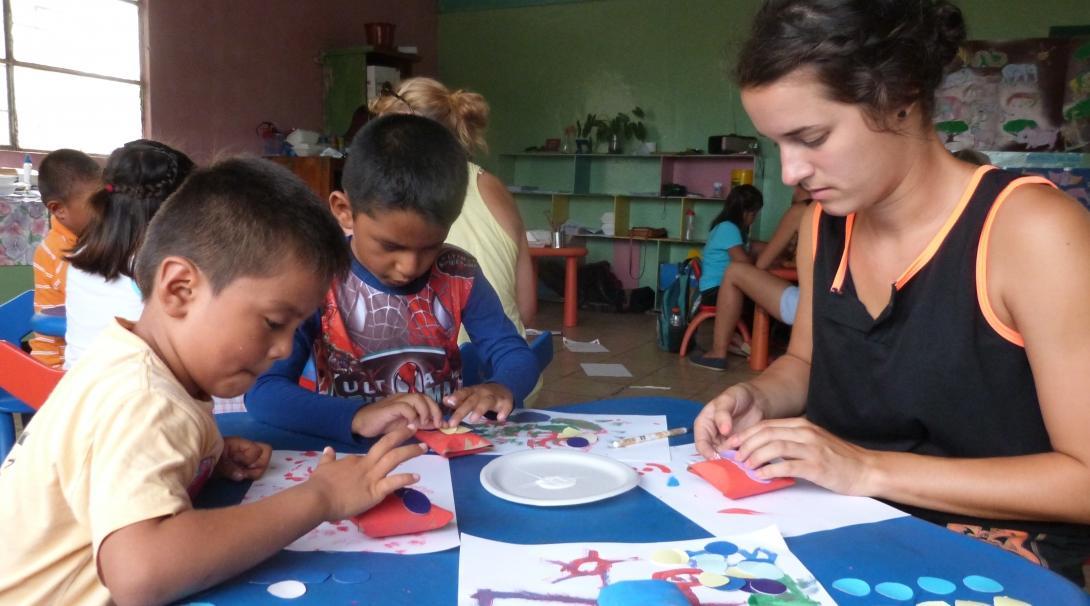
(550, 478)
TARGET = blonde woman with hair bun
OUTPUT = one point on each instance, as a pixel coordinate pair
(490, 227)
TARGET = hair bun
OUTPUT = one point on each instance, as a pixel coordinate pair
(949, 31)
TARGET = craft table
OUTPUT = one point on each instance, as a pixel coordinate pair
(571, 256)
(901, 549)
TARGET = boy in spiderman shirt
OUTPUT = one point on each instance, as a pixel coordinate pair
(385, 341)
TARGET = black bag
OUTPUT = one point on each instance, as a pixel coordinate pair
(599, 289)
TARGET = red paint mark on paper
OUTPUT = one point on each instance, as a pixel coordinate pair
(741, 511)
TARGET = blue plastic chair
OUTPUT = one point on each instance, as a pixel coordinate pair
(475, 372)
(14, 325)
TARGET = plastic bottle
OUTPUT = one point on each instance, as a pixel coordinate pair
(690, 220)
(676, 330)
(28, 166)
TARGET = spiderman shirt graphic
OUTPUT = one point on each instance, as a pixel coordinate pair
(376, 343)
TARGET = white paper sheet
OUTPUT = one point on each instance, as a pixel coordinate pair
(605, 370)
(503, 574)
(529, 429)
(288, 468)
(796, 510)
(594, 346)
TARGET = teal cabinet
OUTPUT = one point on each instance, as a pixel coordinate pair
(344, 81)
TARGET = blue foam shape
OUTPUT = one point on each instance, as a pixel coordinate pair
(854, 587)
(350, 574)
(414, 500)
(894, 591)
(982, 584)
(672, 482)
(936, 585)
(650, 592)
(578, 442)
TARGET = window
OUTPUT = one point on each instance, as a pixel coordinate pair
(72, 74)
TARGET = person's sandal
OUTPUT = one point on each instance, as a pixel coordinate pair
(719, 364)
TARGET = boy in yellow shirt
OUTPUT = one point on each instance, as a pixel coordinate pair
(67, 179)
(96, 497)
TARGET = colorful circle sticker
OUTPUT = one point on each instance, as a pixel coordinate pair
(894, 591)
(454, 430)
(854, 587)
(982, 584)
(710, 562)
(710, 579)
(936, 585)
(578, 442)
(760, 570)
(670, 557)
(766, 586)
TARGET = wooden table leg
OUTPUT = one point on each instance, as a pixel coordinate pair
(571, 291)
(758, 346)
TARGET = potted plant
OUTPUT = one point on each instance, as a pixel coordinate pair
(622, 127)
(583, 131)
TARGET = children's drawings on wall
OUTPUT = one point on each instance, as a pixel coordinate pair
(746, 568)
(288, 468)
(797, 510)
(543, 429)
(1009, 95)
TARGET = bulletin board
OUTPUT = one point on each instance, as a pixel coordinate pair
(1017, 95)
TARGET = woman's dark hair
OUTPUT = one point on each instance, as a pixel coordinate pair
(882, 55)
(742, 199)
(137, 178)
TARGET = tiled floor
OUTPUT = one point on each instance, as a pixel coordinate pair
(630, 339)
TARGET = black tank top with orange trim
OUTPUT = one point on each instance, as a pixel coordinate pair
(930, 375)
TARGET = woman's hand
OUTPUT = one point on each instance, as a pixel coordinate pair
(733, 410)
(797, 448)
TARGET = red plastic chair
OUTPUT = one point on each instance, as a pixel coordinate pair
(25, 383)
(705, 312)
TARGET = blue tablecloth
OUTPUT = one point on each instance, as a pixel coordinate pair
(899, 550)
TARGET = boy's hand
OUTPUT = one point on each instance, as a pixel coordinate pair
(413, 410)
(243, 459)
(354, 484)
(470, 403)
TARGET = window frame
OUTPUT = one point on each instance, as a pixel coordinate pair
(10, 62)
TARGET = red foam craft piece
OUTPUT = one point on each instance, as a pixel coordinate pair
(455, 444)
(391, 517)
(734, 481)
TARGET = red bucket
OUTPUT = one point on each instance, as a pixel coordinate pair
(379, 35)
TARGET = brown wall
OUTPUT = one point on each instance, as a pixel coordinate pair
(217, 68)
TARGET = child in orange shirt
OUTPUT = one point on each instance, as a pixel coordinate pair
(66, 179)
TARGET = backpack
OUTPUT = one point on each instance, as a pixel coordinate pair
(682, 292)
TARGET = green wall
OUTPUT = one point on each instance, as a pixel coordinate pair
(14, 280)
(542, 67)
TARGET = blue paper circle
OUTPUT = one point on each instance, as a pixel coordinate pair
(760, 569)
(723, 548)
(528, 416)
(856, 587)
(578, 442)
(414, 500)
(894, 591)
(936, 585)
(982, 584)
(650, 592)
(709, 562)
